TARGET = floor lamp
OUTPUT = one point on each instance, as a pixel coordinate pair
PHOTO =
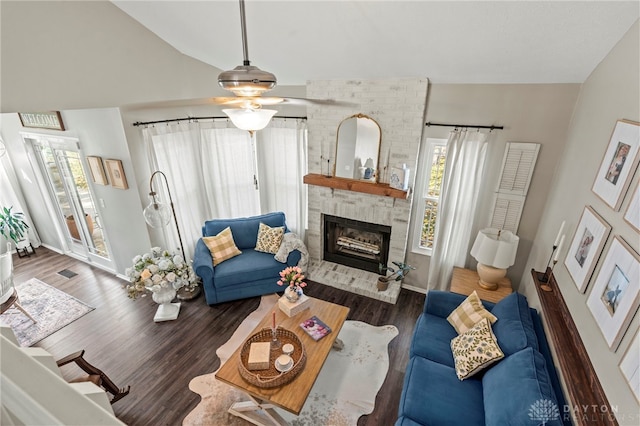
(158, 215)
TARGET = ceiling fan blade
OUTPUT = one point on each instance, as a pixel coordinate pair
(308, 101)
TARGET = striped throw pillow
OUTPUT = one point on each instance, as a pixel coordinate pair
(469, 313)
(222, 246)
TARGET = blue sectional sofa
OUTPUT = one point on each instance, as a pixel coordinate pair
(249, 274)
(521, 389)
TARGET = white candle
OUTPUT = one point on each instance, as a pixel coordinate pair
(555, 243)
(555, 258)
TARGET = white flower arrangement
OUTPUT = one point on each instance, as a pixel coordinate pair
(157, 270)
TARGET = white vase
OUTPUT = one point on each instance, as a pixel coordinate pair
(167, 311)
(293, 295)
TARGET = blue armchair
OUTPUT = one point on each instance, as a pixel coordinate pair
(249, 274)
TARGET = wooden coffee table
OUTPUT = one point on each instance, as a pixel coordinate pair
(291, 396)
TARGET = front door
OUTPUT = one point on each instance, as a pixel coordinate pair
(68, 188)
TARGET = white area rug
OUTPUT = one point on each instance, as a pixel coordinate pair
(345, 389)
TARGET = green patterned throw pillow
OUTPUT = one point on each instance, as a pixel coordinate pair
(269, 239)
(475, 349)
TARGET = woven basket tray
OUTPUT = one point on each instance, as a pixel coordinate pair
(271, 377)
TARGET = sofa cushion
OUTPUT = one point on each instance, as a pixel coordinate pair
(514, 328)
(432, 339)
(269, 239)
(221, 246)
(432, 395)
(251, 266)
(518, 391)
(245, 229)
(469, 313)
(475, 350)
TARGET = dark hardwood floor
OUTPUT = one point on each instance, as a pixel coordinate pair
(159, 359)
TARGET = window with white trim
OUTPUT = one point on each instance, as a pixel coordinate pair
(427, 194)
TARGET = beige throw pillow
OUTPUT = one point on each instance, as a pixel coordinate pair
(222, 246)
(475, 350)
(269, 239)
(469, 313)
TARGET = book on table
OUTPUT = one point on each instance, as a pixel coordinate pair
(315, 328)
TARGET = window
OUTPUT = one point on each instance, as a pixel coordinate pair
(428, 185)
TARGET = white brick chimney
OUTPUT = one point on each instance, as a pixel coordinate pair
(398, 105)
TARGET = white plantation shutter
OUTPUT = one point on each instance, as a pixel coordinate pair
(517, 169)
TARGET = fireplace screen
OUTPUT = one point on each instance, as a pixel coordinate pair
(354, 243)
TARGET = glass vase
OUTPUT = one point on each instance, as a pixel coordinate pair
(293, 293)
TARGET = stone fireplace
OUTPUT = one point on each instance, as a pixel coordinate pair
(398, 105)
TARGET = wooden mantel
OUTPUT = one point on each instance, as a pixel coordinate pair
(382, 189)
(585, 393)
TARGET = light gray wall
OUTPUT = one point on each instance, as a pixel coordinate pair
(100, 133)
(59, 55)
(610, 93)
(537, 113)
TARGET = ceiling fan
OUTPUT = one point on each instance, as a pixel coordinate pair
(248, 83)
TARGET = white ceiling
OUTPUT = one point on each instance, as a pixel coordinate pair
(445, 41)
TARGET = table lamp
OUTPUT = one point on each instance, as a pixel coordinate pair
(495, 250)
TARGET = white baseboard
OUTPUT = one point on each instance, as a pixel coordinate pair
(414, 288)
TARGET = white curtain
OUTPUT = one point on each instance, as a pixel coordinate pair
(11, 195)
(466, 151)
(213, 172)
(282, 163)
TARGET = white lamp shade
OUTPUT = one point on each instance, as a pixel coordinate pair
(369, 163)
(491, 250)
(250, 119)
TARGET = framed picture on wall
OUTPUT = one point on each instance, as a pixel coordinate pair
(589, 239)
(116, 174)
(97, 170)
(42, 120)
(618, 164)
(615, 294)
(632, 216)
(630, 366)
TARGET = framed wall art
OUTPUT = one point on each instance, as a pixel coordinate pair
(42, 120)
(619, 164)
(630, 366)
(632, 216)
(97, 170)
(615, 294)
(116, 174)
(589, 239)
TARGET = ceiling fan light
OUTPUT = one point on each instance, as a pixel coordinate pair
(250, 119)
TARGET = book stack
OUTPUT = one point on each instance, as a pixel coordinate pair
(294, 308)
(259, 356)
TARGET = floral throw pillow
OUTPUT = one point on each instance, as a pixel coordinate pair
(222, 246)
(269, 239)
(468, 313)
(475, 350)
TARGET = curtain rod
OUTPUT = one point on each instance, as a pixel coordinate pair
(144, 123)
(466, 126)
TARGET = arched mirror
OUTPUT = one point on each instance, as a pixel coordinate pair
(358, 148)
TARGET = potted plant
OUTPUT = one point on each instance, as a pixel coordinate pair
(13, 227)
(397, 274)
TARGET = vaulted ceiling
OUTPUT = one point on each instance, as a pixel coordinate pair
(446, 41)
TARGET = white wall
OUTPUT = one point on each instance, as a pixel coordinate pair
(537, 113)
(610, 93)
